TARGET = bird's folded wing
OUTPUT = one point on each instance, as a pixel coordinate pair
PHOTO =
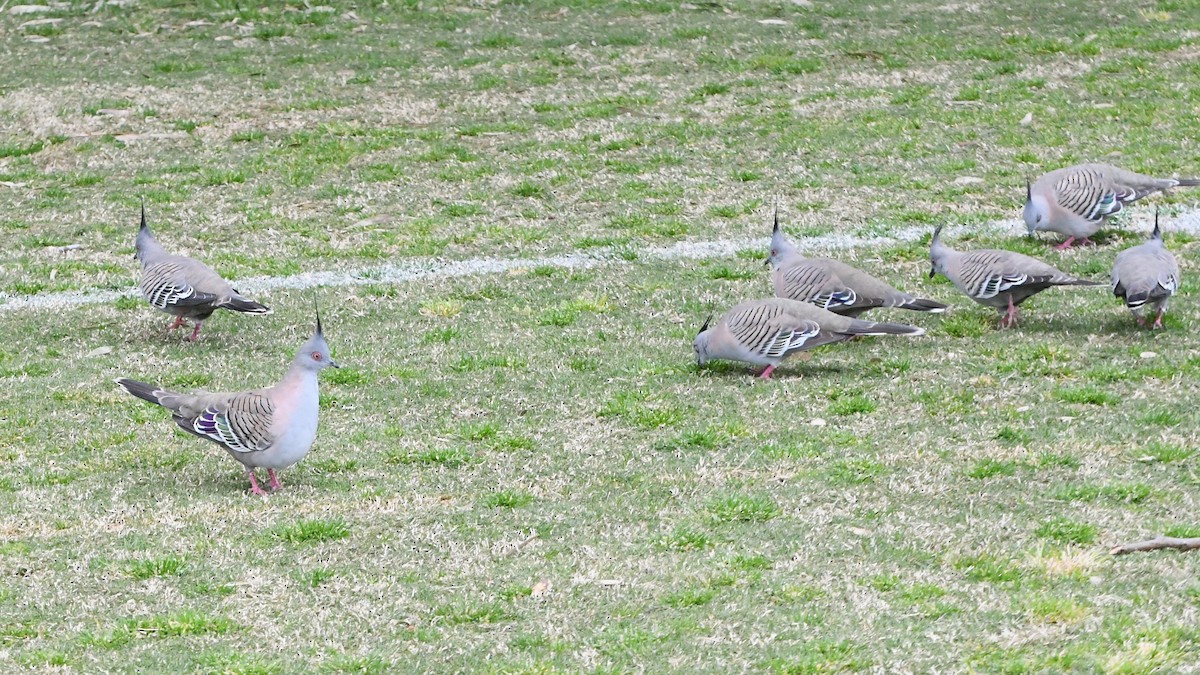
(1169, 281)
(833, 297)
(999, 282)
(242, 423)
(774, 337)
(1086, 194)
(812, 282)
(165, 285)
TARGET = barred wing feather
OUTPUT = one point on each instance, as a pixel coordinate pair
(242, 425)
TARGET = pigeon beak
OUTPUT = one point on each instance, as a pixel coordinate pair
(932, 272)
(766, 262)
(333, 364)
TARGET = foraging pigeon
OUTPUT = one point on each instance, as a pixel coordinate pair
(833, 285)
(186, 288)
(272, 428)
(765, 332)
(1146, 273)
(1000, 279)
(1075, 201)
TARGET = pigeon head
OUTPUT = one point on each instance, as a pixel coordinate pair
(781, 246)
(1037, 211)
(314, 355)
(145, 243)
(937, 253)
(700, 344)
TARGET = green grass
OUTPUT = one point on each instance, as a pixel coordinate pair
(155, 567)
(524, 469)
(179, 624)
(743, 508)
(508, 499)
(1067, 531)
(312, 531)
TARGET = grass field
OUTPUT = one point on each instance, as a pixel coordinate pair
(525, 471)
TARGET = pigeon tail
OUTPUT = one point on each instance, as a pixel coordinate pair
(924, 305)
(240, 304)
(879, 328)
(146, 392)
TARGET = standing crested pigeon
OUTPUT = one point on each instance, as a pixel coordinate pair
(765, 332)
(1000, 279)
(1146, 273)
(1075, 201)
(833, 285)
(272, 428)
(183, 287)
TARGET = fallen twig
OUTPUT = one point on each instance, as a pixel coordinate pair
(1158, 543)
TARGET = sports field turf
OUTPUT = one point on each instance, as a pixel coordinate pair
(519, 467)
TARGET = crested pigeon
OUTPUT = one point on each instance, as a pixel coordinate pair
(833, 285)
(1000, 279)
(271, 428)
(1076, 201)
(183, 287)
(765, 332)
(1146, 273)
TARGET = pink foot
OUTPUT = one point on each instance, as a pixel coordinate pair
(275, 484)
(1010, 317)
(1086, 242)
(1065, 245)
(1158, 319)
(195, 333)
(254, 489)
(178, 322)
(1141, 321)
(766, 374)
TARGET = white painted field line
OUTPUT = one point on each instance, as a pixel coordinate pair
(417, 269)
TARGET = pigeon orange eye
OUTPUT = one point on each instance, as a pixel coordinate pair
(316, 356)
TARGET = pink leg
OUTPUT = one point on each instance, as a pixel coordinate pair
(195, 332)
(1010, 317)
(1065, 245)
(766, 374)
(1158, 319)
(1141, 320)
(254, 489)
(275, 484)
(177, 324)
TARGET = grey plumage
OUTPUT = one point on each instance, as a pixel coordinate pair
(833, 285)
(1146, 274)
(996, 278)
(765, 332)
(183, 287)
(271, 428)
(1076, 200)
